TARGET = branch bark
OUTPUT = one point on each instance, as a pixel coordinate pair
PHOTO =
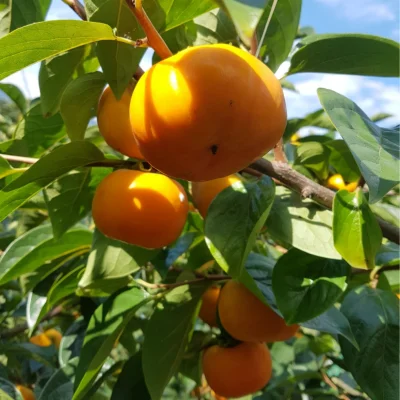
(309, 189)
(77, 7)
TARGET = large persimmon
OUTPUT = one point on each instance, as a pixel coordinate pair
(247, 318)
(207, 112)
(237, 371)
(141, 208)
(114, 124)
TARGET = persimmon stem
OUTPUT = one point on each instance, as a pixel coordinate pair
(165, 286)
(25, 160)
(154, 39)
(279, 153)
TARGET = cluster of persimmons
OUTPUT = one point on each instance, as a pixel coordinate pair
(201, 115)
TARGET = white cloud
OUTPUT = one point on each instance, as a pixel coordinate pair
(372, 95)
(370, 10)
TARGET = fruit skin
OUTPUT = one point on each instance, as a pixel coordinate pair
(335, 182)
(352, 186)
(140, 208)
(246, 318)
(204, 192)
(237, 371)
(207, 112)
(209, 304)
(26, 393)
(41, 340)
(398, 295)
(55, 336)
(114, 123)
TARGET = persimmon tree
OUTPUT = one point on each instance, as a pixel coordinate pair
(279, 279)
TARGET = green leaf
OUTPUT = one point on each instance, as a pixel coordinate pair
(388, 254)
(175, 315)
(234, 219)
(315, 157)
(356, 232)
(302, 223)
(54, 76)
(389, 280)
(352, 54)
(282, 31)
(6, 169)
(343, 161)
(60, 385)
(80, 98)
(130, 383)
(37, 247)
(105, 327)
(374, 317)
(5, 17)
(246, 15)
(69, 199)
(8, 391)
(375, 149)
(60, 161)
(29, 351)
(24, 13)
(110, 264)
(333, 322)
(119, 61)
(35, 304)
(39, 133)
(14, 93)
(47, 39)
(305, 285)
(71, 342)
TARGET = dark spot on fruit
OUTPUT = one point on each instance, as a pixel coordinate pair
(231, 102)
(214, 149)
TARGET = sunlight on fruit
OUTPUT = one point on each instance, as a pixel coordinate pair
(55, 336)
(41, 340)
(26, 393)
(201, 113)
(335, 182)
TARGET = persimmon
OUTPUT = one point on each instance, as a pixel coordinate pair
(352, 186)
(335, 182)
(26, 393)
(237, 371)
(55, 336)
(204, 192)
(114, 123)
(247, 318)
(140, 208)
(398, 295)
(41, 340)
(209, 305)
(207, 112)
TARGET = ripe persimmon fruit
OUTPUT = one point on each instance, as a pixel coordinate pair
(352, 186)
(141, 208)
(207, 112)
(41, 340)
(204, 192)
(55, 336)
(26, 393)
(114, 123)
(209, 305)
(335, 182)
(237, 371)
(247, 318)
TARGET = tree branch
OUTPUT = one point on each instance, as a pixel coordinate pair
(76, 6)
(312, 190)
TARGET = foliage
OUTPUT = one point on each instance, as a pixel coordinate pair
(128, 315)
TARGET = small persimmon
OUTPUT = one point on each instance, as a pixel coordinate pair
(204, 192)
(209, 305)
(352, 186)
(247, 318)
(140, 208)
(335, 182)
(41, 340)
(26, 393)
(55, 336)
(114, 123)
(237, 371)
(207, 112)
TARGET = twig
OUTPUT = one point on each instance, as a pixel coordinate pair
(25, 160)
(310, 189)
(138, 74)
(254, 44)
(76, 6)
(176, 284)
(361, 182)
(154, 39)
(23, 327)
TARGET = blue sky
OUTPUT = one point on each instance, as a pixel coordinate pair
(377, 17)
